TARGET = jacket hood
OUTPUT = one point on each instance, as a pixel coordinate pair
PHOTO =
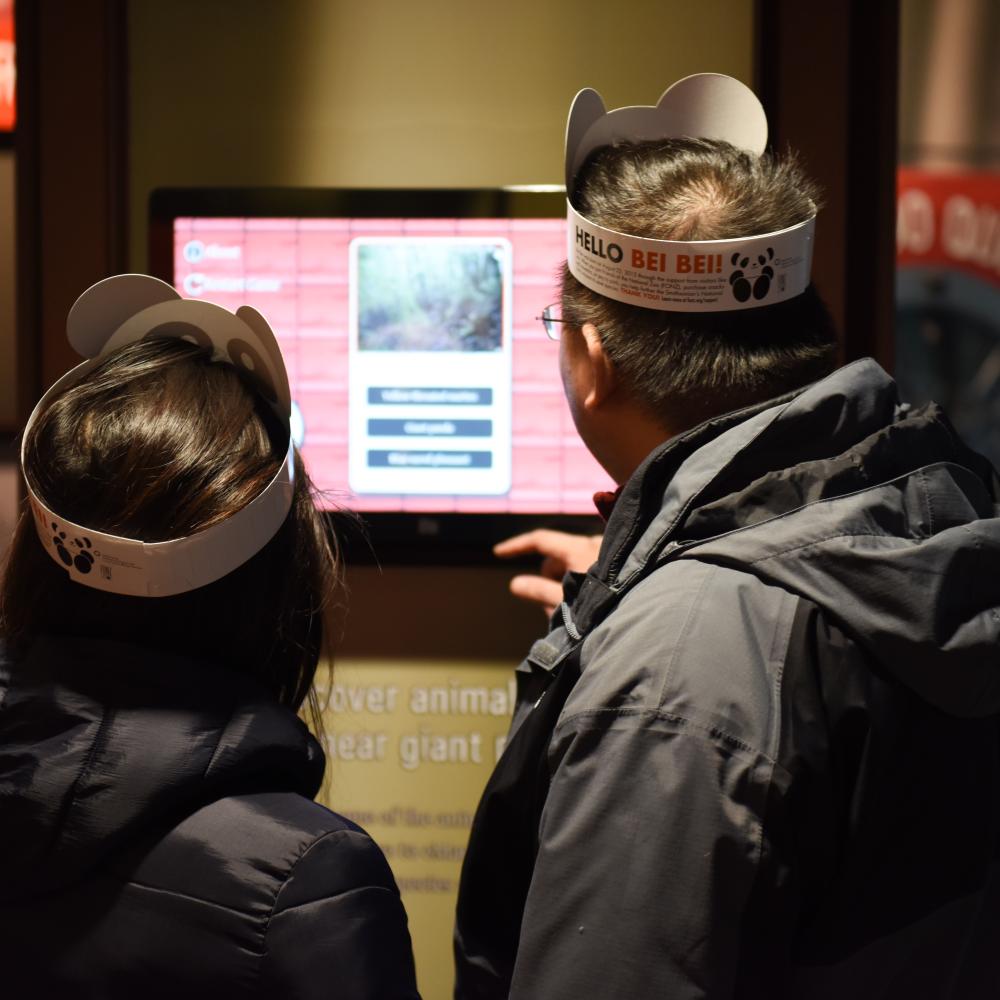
(872, 510)
(102, 743)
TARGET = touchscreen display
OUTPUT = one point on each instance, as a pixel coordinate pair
(422, 378)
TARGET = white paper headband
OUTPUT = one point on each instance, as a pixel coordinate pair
(673, 275)
(132, 307)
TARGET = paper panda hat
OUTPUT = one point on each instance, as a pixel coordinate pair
(673, 275)
(120, 311)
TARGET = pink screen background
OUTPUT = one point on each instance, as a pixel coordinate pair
(303, 265)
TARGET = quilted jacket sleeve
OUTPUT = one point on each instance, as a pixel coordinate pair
(338, 928)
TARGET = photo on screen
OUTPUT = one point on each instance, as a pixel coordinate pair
(430, 295)
(430, 366)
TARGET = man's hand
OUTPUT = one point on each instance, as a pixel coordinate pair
(560, 551)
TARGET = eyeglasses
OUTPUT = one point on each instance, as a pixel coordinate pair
(549, 322)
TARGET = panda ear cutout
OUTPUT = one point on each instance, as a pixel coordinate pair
(132, 307)
(278, 393)
(702, 106)
(106, 306)
(586, 109)
(714, 106)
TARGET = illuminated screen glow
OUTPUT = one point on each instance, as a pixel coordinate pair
(8, 70)
(422, 377)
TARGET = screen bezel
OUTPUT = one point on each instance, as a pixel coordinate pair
(380, 537)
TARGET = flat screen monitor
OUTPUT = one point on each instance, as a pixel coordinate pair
(427, 396)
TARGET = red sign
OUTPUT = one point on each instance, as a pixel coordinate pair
(7, 70)
(950, 220)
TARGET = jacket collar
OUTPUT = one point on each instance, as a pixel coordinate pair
(717, 457)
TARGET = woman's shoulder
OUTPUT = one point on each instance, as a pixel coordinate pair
(244, 851)
(297, 886)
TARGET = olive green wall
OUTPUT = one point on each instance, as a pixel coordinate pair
(394, 93)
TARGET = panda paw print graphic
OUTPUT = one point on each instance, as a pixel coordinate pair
(82, 559)
(752, 276)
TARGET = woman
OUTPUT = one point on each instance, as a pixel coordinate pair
(162, 618)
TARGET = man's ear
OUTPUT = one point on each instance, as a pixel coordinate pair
(602, 372)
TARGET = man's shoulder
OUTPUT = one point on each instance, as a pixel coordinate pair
(700, 644)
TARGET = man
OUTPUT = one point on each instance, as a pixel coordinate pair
(758, 753)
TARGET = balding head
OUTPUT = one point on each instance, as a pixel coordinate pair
(686, 367)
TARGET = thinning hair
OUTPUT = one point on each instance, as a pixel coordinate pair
(686, 367)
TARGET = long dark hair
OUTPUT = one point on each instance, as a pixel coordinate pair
(159, 442)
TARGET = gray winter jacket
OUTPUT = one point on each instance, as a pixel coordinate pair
(759, 754)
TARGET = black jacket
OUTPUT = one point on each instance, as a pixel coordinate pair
(158, 839)
(759, 753)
